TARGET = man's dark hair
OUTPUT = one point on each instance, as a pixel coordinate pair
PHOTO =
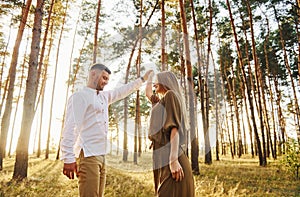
(98, 66)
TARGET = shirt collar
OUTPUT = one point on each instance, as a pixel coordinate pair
(90, 89)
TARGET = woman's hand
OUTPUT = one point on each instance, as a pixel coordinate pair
(176, 170)
(147, 74)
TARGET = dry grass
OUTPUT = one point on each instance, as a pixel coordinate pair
(238, 177)
(244, 177)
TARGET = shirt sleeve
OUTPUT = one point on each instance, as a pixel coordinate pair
(123, 91)
(76, 108)
(173, 111)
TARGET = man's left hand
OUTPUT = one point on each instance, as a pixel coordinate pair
(70, 169)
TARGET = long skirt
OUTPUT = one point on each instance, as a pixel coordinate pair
(169, 187)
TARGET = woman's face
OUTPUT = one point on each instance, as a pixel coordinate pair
(159, 88)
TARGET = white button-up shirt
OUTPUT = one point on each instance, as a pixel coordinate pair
(86, 123)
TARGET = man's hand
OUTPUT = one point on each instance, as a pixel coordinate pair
(147, 74)
(70, 169)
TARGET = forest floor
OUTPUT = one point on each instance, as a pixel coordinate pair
(227, 177)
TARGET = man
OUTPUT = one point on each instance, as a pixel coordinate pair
(83, 142)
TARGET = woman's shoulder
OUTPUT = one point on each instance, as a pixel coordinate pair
(170, 94)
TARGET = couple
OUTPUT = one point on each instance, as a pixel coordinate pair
(83, 142)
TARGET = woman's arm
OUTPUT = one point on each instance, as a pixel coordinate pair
(148, 89)
(175, 167)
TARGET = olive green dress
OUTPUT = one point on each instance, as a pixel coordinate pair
(165, 115)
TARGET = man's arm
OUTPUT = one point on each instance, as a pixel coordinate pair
(126, 89)
(74, 117)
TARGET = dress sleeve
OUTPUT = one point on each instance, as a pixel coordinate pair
(173, 111)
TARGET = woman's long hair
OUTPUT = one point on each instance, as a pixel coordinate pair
(170, 82)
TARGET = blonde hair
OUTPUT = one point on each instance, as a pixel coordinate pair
(170, 82)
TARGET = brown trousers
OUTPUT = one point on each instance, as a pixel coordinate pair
(92, 175)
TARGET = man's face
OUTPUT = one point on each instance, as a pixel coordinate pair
(102, 80)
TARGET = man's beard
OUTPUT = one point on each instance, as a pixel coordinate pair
(98, 88)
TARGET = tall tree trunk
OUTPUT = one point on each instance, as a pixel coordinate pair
(216, 112)
(42, 54)
(12, 76)
(18, 100)
(281, 118)
(243, 86)
(163, 37)
(274, 151)
(245, 106)
(3, 63)
(125, 141)
(193, 135)
(287, 65)
(21, 163)
(265, 115)
(42, 93)
(245, 148)
(208, 156)
(232, 128)
(39, 72)
(247, 87)
(226, 117)
(258, 85)
(137, 137)
(54, 80)
(95, 50)
(70, 72)
(200, 76)
(236, 112)
(4, 94)
(136, 128)
(265, 110)
(118, 131)
(232, 100)
(298, 34)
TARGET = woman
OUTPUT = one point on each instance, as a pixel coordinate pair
(172, 171)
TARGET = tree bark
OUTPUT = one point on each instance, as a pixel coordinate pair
(42, 54)
(287, 65)
(163, 37)
(298, 33)
(216, 112)
(208, 156)
(54, 80)
(18, 101)
(258, 85)
(95, 50)
(21, 163)
(193, 135)
(3, 66)
(12, 76)
(247, 87)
